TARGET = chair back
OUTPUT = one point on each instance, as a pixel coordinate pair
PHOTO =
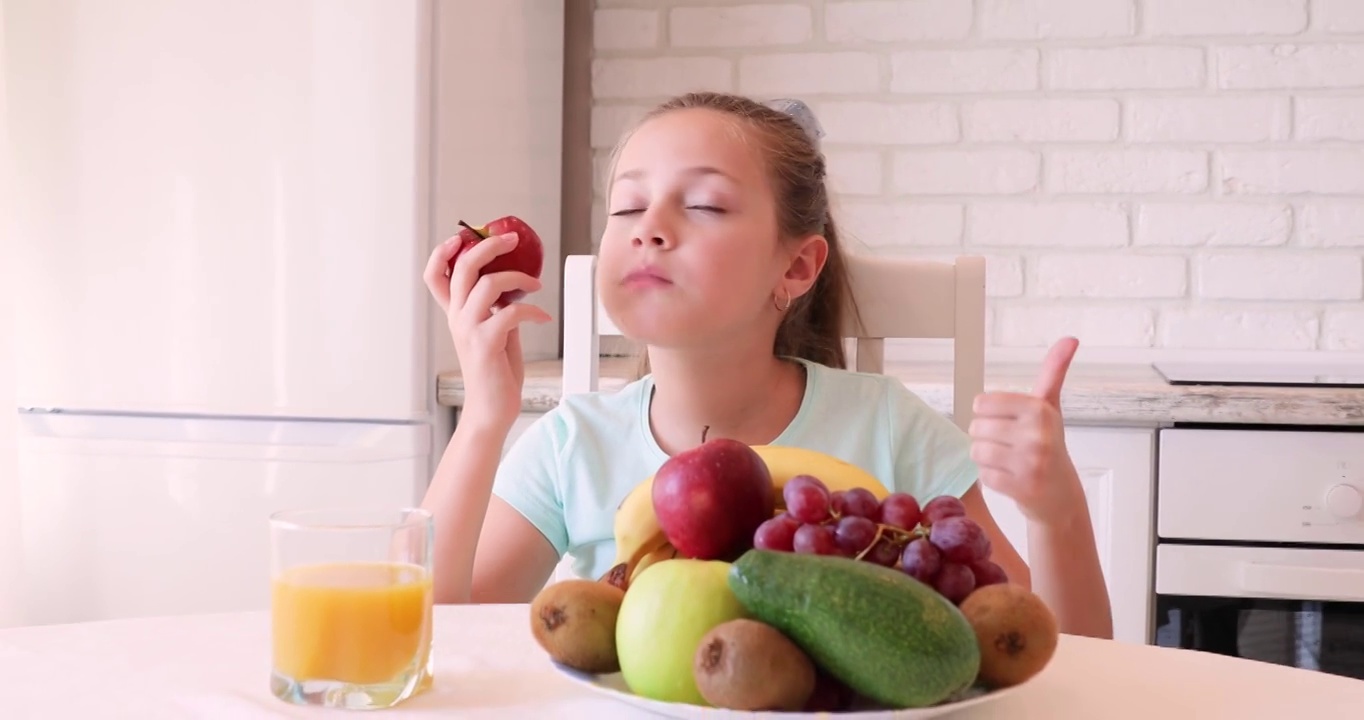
(895, 297)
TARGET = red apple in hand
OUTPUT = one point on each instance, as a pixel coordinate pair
(711, 499)
(528, 256)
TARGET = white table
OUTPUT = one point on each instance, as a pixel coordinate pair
(216, 666)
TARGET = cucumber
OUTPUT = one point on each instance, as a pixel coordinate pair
(887, 636)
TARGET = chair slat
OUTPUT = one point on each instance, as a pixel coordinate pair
(895, 298)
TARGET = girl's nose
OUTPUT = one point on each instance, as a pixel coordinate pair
(654, 238)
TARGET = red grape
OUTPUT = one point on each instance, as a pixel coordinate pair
(861, 503)
(900, 510)
(987, 572)
(884, 552)
(776, 533)
(942, 507)
(954, 582)
(815, 540)
(854, 534)
(921, 560)
(836, 502)
(960, 539)
(807, 499)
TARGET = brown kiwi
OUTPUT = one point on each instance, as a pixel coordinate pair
(745, 664)
(1015, 629)
(575, 622)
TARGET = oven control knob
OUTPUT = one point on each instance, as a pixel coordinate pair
(1344, 501)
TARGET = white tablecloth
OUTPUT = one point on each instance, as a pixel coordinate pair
(488, 666)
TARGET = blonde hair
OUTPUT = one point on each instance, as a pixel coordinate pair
(812, 328)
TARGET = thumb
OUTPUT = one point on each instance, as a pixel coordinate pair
(1053, 372)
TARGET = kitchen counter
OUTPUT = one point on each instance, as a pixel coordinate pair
(487, 665)
(1095, 393)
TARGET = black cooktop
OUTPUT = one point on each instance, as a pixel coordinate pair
(1324, 375)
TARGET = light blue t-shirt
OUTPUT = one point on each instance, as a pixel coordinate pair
(571, 468)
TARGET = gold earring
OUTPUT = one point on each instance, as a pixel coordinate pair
(785, 306)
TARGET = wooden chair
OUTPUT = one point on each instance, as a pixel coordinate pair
(896, 298)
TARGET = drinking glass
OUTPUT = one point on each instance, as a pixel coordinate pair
(351, 606)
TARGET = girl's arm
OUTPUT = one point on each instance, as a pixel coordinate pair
(514, 560)
(488, 347)
(1019, 445)
(483, 550)
(1062, 567)
(1067, 575)
(1002, 552)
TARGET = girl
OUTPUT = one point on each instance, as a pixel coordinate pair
(721, 258)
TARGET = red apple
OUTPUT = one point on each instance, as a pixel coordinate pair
(711, 499)
(528, 256)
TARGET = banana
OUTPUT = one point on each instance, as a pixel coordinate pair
(637, 533)
(640, 540)
(664, 552)
(784, 463)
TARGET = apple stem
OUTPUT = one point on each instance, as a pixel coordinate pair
(704, 430)
(471, 227)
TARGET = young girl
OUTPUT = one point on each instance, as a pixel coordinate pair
(720, 256)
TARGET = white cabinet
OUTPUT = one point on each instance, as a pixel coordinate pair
(1117, 471)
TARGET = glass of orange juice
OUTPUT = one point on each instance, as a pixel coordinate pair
(351, 606)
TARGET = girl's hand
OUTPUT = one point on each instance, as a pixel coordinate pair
(1018, 441)
(487, 341)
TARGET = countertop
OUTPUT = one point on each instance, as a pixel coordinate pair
(1094, 393)
(487, 665)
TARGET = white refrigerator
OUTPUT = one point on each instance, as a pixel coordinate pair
(219, 226)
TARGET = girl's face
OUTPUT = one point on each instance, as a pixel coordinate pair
(690, 254)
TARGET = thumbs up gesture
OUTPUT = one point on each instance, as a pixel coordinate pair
(1018, 442)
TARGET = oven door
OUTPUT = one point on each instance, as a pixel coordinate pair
(1291, 606)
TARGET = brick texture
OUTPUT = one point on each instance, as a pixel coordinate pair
(1144, 174)
(1225, 17)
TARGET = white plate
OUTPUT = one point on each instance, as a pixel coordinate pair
(613, 686)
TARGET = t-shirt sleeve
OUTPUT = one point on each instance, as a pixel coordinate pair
(932, 454)
(528, 479)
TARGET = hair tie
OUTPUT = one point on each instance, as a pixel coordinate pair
(802, 114)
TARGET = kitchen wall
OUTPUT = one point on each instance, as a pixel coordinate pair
(1149, 175)
(497, 120)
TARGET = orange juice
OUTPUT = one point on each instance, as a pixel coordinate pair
(360, 623)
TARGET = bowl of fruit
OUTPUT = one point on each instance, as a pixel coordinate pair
(756, 581)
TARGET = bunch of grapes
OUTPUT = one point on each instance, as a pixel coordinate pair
(935, 544)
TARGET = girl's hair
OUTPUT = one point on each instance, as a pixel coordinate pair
(812, 328)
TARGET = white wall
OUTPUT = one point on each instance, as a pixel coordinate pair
(497, 100)
(1146, 174)
(10, 538)
(498, 96)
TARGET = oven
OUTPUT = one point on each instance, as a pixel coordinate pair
(1260, 545)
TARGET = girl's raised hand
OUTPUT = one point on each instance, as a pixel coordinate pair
(1018, 441)
(487, 339)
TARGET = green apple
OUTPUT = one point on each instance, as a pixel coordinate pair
(666, 612)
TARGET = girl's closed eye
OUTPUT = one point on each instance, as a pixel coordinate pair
(699, 207)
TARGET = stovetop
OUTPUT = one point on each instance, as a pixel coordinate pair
(1324, 375)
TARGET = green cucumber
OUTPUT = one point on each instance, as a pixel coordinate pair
(887, 636)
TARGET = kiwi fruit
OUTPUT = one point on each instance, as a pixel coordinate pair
(1015, 630)
(746, 664)
(575, 622)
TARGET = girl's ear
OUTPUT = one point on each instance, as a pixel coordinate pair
(806, 261)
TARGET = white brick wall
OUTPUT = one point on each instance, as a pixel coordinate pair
(1145, 174)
